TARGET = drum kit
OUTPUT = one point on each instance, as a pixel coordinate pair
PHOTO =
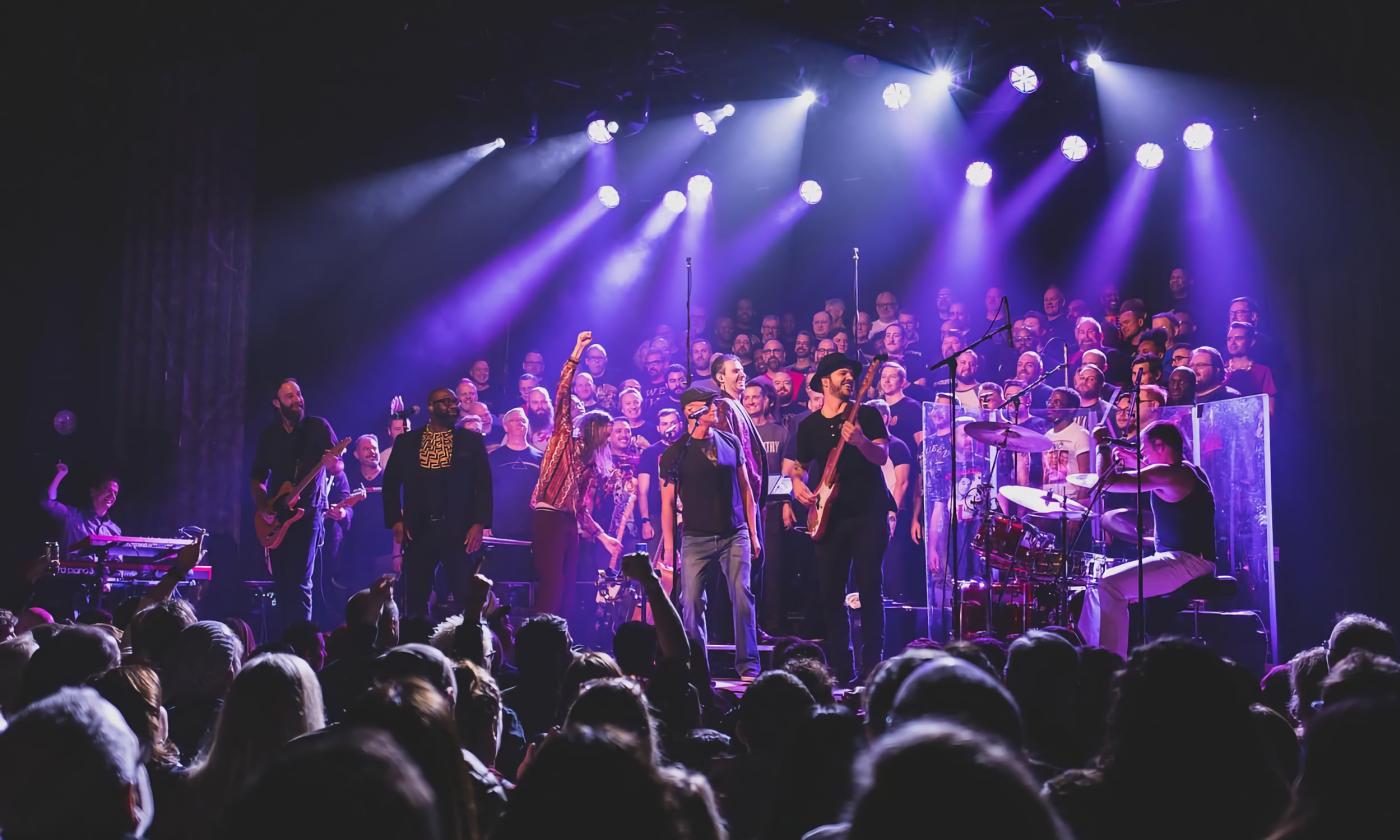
(1031, 567)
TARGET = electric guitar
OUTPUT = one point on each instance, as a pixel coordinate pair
(284, 505)
(356, 496)
(819, 517)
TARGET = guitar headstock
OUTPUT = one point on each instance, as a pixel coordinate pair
(339, 448)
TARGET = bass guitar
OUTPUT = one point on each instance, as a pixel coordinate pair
(284, 505)
(819, 517)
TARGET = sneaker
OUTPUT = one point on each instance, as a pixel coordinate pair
(747, 678)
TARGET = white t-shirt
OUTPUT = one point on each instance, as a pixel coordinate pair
(1064, 458)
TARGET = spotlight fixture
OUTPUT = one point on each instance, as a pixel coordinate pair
(699, 186)
(1074, 148)
(1198, 136)
(1024, 79)
(600, 131)
(896, 95)
(705, 123)
(608, 196)
(1094, 60)
(943, 78)
(1150, 155)
(807, 97)
(979, 173)
(500, 143)
(810, 192)
(674, 201)
(727, 111)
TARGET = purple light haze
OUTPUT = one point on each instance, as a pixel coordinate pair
(1103, 260)
(992, 114)
(1030, 193)
(1220, 242)
(629, 261)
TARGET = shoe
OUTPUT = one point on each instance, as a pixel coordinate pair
(764, 638)
(747, 678)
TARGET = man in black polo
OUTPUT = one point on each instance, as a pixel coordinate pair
(437, 500)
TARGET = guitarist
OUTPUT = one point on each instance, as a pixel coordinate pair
(437, 500)
(287, 451)
(854, 540)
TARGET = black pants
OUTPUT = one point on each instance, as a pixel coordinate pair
(441, 544)
(853, 549)
(292, 563)
(770, 572)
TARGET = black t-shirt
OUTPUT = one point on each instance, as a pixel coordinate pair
(653, 396)
(288, 456)
(513, 476)
(862, 484)
(709, 477)
(906, 418)
(901, 454)
(650, 464)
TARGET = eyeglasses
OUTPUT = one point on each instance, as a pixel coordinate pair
(446, 401)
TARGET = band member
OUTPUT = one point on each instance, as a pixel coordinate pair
(1183, 512)
(760, 403)
(669, 430)
(707, 470)
(437, 500)
(855, 539)
(287, 450)
(562, 501)
(366, 547)
(92, 518)
(729, 377)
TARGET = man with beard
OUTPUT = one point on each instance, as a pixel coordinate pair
(1179, 355)
(1210, 376)
(654, 391)
(771, 359)
(768, 329)
(965, 383)
(786, 385)
(1088, 384)
(1185, 326)
(744, 316)
(438, 501)
(943, 302)
(743, 348)
(1110, 301)
(668, 428)
(80, 523)
(515, 468)
(539, 408)
(1029, 368)
(1034, 322)
(824, 347)
(700, 353)
(1179, 290)
(910, 324)
(675, 386)
(898, 351)
(802, 346)
(853, 546)
(289, 449)
(724, 331)
(466, 395)
(1243, 373)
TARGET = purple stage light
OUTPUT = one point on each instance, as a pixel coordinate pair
(1150, 155)
(943, 78)
(979, 173)
(1074, 148)
(1024, 79)
(608, 196)
(674, 201)
(727, 111)
(810, 191)
(1198, 136)
(699, 186)
(705, 123)
(896, 95)
(1094, 60)
(600, 131)
(807, 97)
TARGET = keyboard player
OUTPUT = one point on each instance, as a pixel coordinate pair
(91, 519)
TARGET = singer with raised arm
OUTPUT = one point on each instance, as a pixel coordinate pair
(1183, 510)
(437, 500)
(562, 501)
(851, 503)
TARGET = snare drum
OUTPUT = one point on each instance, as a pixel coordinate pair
(998, 540)
(1087, 568)
(1041, 560)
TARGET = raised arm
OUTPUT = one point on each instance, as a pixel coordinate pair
(563, 406)
(51, 503)
(670, 634)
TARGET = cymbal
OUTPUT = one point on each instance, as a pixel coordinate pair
(1037, 500)
(1086, 480)
(1122, 523)
(1008, 436)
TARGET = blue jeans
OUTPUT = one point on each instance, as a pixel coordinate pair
(732, 555)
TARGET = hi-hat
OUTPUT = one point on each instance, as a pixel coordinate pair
(1037, 500)
(1008, 436)
(1086, 480)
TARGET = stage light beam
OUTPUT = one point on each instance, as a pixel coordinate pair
(896, 95)
(1074, 148)
(1198, 136)
(727, 111)
(943, 78)
(674, 201)
(1094, 60)
(1024, 79)
(810, 191)
(1150, 155)
(609, 197)
(807, 97)
(979, 173)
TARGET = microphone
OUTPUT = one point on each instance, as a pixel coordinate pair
(698, 413)
(1006, 304)
(1102, 437)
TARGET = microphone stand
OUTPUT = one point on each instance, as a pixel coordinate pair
(1141, 584)
(951, 363)
(689, 365)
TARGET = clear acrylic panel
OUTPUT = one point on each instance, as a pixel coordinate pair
(1228, 439)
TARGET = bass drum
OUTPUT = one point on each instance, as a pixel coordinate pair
(998, 541)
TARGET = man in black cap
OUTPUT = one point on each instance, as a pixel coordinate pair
(854, 539)
(707, 470)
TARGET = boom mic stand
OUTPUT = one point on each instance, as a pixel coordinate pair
(951, 363)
